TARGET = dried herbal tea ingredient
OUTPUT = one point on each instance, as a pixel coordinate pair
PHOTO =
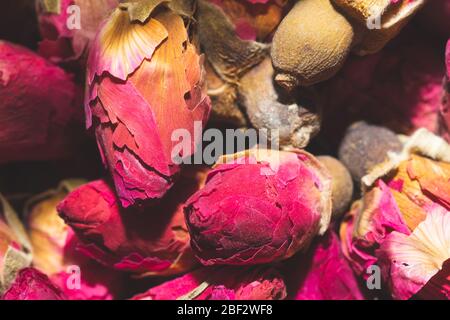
(311, 44)
(31, 284)
(39, 111)
(224, 283)
(240, 84)
(55, 249)
(147, 242)
(145, 81)
(402, 223)
(364, 146)
(315, 38)
(322, 273)
(68, 27)
(342, 185)
(259, 206)
(15, 247)
(377, 21)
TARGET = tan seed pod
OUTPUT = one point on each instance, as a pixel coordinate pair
(310, 44)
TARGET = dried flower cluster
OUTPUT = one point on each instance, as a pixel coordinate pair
(230, 150)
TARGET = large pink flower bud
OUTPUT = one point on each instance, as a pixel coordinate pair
(259, 206)
(145, 82)
(138, 241)
(55, 251)
(39, 114)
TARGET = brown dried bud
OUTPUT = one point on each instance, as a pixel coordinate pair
(241, 87)
(311, 44)
(341, 184)
(365, 146)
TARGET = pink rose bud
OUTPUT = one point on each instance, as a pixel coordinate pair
(38, 111)
(68, 27)
(146, 90)
(259, 206)
(54, 251)
(399, 88)
(142, 242)
(402, 223)
(225, 283)
(322, 274)
(30, 284)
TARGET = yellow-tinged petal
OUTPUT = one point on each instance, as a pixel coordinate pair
(121, 45)
(413, 260)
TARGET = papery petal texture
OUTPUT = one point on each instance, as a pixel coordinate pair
(226, 283)
(146, 243)
(145, 83)
(68, 34)
(259, 206)
(55, 253)
(30, 284)
(39, 112)
(322, 274)
(402, 223)
(411, 261)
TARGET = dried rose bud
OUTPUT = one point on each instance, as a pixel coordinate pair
(435, 17)
(316, 36)
(444, 120)
(68, 27)
(364, 146)
(145, 82)
(259, 206)
(342, 185)
(240, 84)
(15, 247)
(38, 109)
(399, 88)
(54, 249)
(30, 284)
(142, 242)
(402, 223)
(226, 283)
(322, 274)
(253, 20)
